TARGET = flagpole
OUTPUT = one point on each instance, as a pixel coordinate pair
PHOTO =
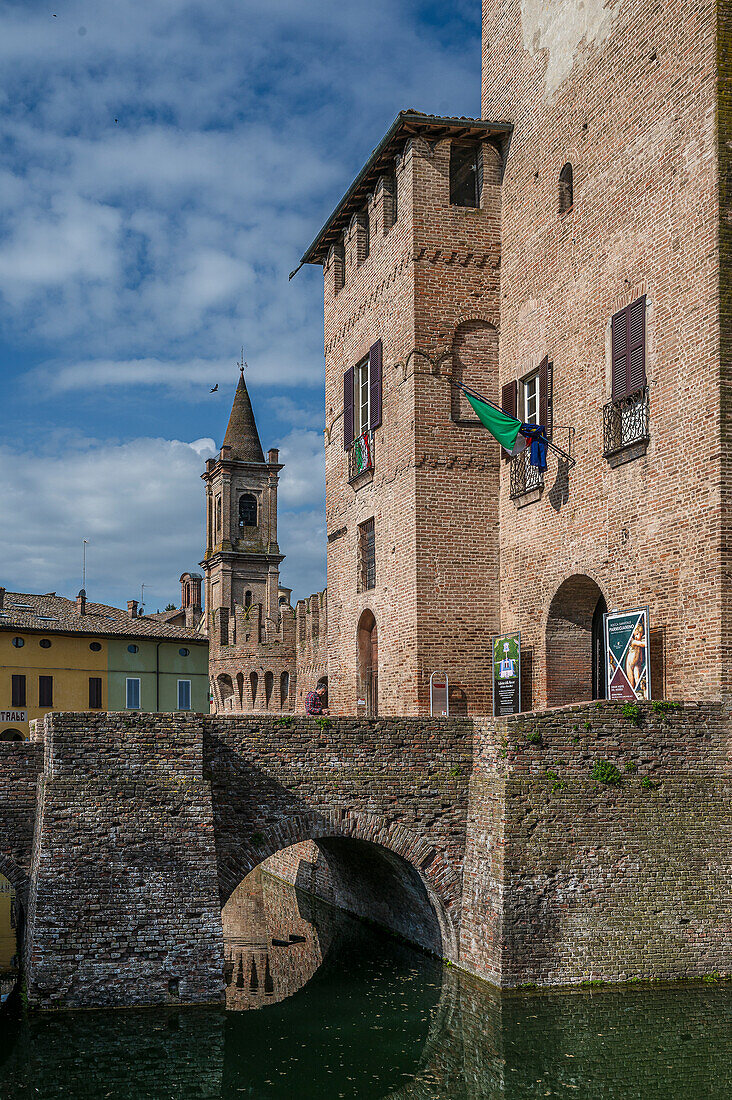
(552, 446)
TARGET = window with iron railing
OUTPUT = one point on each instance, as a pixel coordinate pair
(361, 455)
(625, 422)
(524, 476)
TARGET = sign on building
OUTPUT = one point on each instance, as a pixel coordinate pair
(627, 645)
(13, 715)
(507, 674)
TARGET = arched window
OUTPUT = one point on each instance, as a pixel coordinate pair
(253, 683)
(247, 510)
(284, 689)
(247, 599)
(566, 189)
(268, 686)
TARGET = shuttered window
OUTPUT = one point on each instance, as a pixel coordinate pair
(375, 355)
(18, 691)
(546, 396)
(362, 386)
(629, 350)
(348, 408)
(45, 691)
(509, 394)
(132, 693)
(184, 695)
(95, 693)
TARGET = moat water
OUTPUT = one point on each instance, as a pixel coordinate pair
(322, 1006)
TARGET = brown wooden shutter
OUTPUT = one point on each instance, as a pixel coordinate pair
(375, 372)
(509, 398)
(544, 394)
(348, 408)
(629, 349)
(637, 345)
(619, 329)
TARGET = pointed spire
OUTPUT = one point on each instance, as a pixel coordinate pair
(241, 434)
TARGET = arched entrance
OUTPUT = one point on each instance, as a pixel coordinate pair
(575, 650)
(368, 663)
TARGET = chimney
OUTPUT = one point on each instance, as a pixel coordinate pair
(81, 602)
(273, 456)
(2, 598)
(132, 608)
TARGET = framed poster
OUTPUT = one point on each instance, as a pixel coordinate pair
(506, 674)
(439, 696)
(627, 645)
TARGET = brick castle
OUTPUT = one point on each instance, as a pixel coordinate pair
(565, 256)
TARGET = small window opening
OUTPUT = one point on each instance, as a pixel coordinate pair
(464, 175)
(367, 556)
(566, 189)
(247, 510)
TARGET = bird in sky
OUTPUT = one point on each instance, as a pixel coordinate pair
(214, 389)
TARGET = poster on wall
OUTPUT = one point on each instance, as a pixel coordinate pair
(628, 655)
(506, 674)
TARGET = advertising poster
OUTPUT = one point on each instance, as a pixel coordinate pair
(628, 655)
(507, 674)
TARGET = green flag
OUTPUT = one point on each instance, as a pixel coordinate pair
(503, 427)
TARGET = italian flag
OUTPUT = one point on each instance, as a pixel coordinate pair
(506, 429)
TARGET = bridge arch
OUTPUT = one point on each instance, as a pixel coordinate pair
(16, 876)
(386, 852)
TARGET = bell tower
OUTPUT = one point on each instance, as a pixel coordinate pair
(242, 561)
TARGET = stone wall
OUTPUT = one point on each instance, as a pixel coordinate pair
(20, 765)
(124, 905)
(598, 880)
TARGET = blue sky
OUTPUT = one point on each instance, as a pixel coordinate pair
(163, 165)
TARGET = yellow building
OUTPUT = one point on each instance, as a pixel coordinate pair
(69, 655)
(7, 927)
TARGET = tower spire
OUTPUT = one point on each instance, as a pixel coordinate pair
(241, 434)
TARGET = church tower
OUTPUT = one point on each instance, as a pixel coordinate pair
(250, 623)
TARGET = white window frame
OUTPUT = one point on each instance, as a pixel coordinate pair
(362, 397)
(190, 695)
(526, 398)
(133, 680)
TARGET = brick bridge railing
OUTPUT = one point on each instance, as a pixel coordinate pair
(493, 842)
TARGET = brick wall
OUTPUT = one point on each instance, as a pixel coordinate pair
(123, 905)
(627, 93)
(20, 765)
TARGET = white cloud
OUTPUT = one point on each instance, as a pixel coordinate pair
(141, 506)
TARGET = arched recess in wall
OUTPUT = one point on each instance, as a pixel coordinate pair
(253, 685)
(573, 652)
(284, 689)
(566, 188)
(225, 690)
(368, 662)
(268, 688)
(475, 365)
(241, 701)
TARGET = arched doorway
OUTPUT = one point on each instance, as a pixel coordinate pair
(11, 735)
(368, 663)
(574, 642)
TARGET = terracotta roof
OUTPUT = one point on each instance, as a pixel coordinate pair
(241, 434)
(53, 614)
(405, 125)
(166, 616)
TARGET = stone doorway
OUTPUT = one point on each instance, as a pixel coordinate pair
(574, 643)
(368, 664)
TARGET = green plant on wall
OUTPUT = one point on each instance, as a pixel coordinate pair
(664, 706)
(324, 723)
(604, 771)
(632, 713)
(286, 720)
(533, 737)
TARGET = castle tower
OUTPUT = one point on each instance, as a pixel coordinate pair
(411, 259)
(249, 623)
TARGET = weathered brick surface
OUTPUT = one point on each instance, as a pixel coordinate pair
(123, 903)
(489, 841)
(21, 763)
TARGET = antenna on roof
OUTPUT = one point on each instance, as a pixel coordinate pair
(83, 563)
(142, 597)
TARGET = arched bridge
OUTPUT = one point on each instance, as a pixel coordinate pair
(492, 842)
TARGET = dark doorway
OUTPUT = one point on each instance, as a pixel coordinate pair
(368, 663)
(571, 652)
(599, 663)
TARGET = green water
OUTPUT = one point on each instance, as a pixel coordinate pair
(332, 1009)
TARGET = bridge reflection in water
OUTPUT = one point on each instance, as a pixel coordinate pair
(8, 944)
(347, 1012)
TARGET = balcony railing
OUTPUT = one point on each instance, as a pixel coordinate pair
(524, 476)
(361, 455)
(625, 423)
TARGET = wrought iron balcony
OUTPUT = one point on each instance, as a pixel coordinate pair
(361, 455)
(524, 476)
(625, 423)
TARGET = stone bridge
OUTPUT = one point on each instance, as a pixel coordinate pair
(488, 842)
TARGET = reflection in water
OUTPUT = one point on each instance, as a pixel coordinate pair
(349, 1013)
(8, 947)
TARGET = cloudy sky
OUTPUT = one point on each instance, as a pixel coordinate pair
(163, 165)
